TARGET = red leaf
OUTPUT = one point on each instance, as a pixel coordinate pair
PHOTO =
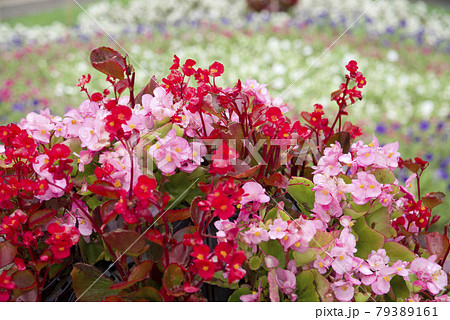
(277, 180)
(437, 244)
(104, 189)
(177, 215)
(148, 89)
(126, 241)
(196, 213)
(433, 199)
(107, 212)
(41, 217)
(24, 280)
(155, 236)
(139, 273)
(243, 170)
(108, 61)
(7, 253)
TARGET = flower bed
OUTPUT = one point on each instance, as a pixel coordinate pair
(156, 194)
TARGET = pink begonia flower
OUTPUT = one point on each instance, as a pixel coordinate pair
(195, 158)
(382, 284)
(254, 192)
(365, 157)
(343, 290)
(322, 265)
(85, 157)
(429, 274)
(55, 187)
(271, 261)
(39, 126)
(329, 164)
(135, 123)
(324, 213)
(88, 109)
(410, 183)
(252, 87)
(170, 153)
(277, 229)
(443, 298)
(286, 280)
(366, 187)
(121, 163)
(346, 221)
(72, 123)
(253, 297)
(391, 155)
(400, 269)
(256, 235)
(347, 240)
(386, 198)
(361, 266)
(343, 260)
(161, 104)
(227, 230)
(92, 132)
(415, 298)
(377, 260)
(84, 226)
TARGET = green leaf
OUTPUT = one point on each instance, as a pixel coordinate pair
(361, 297)
(219, 280)
(301, 190)
(94, 202)
(274, 248)
(255, 263)
(321, 241)
(353, 214)
(399, 287)
(181, 187)
(173, 276)
(89, 284)
(306, 290)
(384, 176)
(235, 296)
(380, 221)
(396, 251)
(148, 294)
(128, 242)
(368, 239)
(322, 284)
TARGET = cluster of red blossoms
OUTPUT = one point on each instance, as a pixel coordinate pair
(62, 238)
(6, 286)
(119, 115)
(414, 212)
(175, 84)
(145, 202)
(279, 128)
(225, 258)
(344, 92)
(223, 199)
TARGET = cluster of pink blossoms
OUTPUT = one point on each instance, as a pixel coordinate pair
(174, 152)
(359, 164)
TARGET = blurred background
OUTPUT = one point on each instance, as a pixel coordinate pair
(402, 47)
